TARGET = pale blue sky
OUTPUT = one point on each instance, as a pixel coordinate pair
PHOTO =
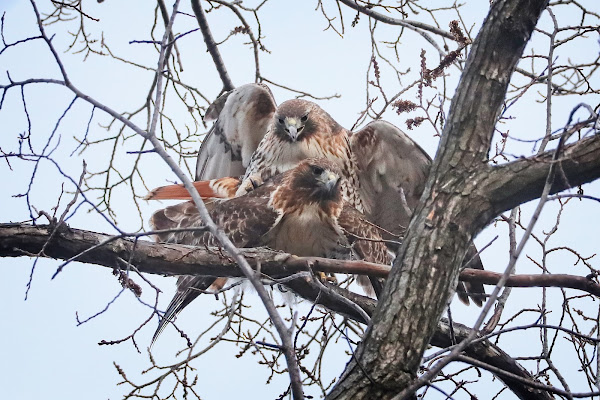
(44, 354)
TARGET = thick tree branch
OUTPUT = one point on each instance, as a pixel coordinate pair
(511, 184)
(163, 259)
(430, 257)
(488, 354)
(174, 259)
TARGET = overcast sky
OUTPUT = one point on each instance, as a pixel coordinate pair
(44, 353)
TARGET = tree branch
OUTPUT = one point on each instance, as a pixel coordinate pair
(517, 182)
(174, 259)
(211, 46)
(433, 249)
(416, 26)
(493, 359)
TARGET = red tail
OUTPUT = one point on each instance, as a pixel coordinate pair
(221, 188)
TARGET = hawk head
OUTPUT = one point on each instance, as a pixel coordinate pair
(298, 119)
(315, 181)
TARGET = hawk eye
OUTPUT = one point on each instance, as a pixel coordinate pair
(304, 119)
(281, 121)
(317, 170)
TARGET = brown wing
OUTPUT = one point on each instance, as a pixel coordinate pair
(393, 170)
(243, 116)
(245, 220)
(367, 243)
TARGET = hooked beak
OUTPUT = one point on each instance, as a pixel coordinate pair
(293, 132)
(331, 182)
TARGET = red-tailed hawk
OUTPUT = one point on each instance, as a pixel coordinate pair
(385, 170)
(301, 212)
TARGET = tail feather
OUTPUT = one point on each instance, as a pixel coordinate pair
(188, 288)
(372, 286)
(473, 291)
(215, 188)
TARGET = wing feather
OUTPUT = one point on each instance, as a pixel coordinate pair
(244, 115)
(393, 170)
(245, 220)
(367, 243)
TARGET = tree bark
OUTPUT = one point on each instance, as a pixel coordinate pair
(71, 244)
(428, 264)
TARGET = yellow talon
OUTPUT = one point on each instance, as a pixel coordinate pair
(323, 276)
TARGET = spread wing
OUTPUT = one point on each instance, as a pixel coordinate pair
(392, 171)
(245, 220)
(242, 119)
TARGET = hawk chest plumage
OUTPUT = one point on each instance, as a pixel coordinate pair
(307, 229)
(276, 155)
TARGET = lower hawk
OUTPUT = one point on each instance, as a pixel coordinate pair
(301, 212)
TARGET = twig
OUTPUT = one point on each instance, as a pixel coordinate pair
(211, 46)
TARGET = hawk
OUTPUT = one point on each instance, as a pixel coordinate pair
(301, 212)
(385, 171)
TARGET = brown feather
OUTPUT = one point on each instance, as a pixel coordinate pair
(298, 211)
(393, 170)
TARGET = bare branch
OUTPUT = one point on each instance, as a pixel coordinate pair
(211, 46)
(416, 26)
(62, 242)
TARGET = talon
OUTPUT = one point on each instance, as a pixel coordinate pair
(249, 187)
(327, 277)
